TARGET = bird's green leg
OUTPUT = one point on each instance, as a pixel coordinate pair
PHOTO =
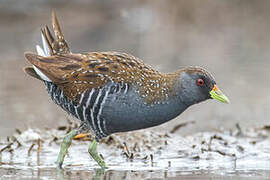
(93, 152)
(64, 147)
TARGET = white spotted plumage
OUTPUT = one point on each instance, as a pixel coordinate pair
(82, 96)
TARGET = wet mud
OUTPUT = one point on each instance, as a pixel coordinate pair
(239, 153)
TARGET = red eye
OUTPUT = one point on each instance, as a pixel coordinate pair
(200, 82)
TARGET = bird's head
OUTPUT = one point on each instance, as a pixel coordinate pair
(197, 85)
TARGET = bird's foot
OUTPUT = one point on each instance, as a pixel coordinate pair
(64, 147)
(93, 152)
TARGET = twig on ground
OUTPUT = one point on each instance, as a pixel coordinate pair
(30, 149)
(177, 127)
(6, 147)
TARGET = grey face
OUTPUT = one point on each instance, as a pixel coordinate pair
(195, 86)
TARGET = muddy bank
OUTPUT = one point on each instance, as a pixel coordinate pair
(239, 152)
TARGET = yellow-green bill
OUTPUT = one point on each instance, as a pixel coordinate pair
(217, 94)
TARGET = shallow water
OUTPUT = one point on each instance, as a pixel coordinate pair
(238, 155)
(52, 173)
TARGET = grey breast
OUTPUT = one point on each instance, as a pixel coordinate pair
(125, 110)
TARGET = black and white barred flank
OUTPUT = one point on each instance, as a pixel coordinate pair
(90, 105)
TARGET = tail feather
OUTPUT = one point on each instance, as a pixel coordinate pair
(30, 71)
(46, 44)
(51, 46)
(56, 27)
(40, 51)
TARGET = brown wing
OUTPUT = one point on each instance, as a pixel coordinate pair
(75, 73)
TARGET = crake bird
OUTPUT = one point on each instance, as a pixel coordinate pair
(113, 92)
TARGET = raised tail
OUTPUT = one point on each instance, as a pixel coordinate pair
(50, 46)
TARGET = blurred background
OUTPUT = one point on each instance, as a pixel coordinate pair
(229, 38)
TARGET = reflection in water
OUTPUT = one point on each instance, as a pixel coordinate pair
(60, 174)
(100, 174)
(53, 173)
(95, 174)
